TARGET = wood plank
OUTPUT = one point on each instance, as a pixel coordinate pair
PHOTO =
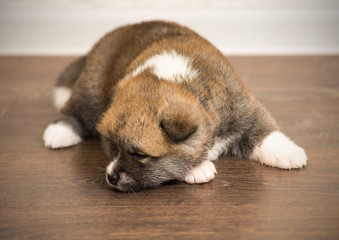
(62, 194)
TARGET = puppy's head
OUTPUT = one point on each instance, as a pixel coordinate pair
(153, 132)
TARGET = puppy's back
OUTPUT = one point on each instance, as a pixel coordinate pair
(117, 49)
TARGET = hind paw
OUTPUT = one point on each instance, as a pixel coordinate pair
(279, 151)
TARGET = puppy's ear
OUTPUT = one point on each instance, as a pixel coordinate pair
(180, 120)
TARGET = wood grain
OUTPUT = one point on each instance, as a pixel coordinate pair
(62, 194)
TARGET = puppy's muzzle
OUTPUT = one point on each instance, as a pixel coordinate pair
(113, 178)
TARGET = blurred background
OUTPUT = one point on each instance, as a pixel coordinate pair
(236, 27)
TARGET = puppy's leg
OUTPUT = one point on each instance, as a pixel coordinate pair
(203, 173)
(263, 142)
(277, 150)
(62, 91)
(64, 132)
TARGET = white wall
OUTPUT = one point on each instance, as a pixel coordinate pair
(68, 27)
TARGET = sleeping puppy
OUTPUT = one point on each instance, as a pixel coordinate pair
(166, 103)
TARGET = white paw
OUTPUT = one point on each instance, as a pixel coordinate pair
(60, 135)
(279, 151)
(205, 172)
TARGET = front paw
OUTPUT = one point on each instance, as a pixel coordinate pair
(279, 151)
(203, 173)
(60, 135)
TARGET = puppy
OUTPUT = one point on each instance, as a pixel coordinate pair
(166, 103)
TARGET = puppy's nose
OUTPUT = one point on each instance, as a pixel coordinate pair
(113, 178)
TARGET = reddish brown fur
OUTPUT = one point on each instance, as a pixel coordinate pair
(161, 129)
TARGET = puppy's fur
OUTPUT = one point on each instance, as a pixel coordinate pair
(166, 103)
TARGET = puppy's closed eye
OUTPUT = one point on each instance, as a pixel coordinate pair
(142, 157)
(139, 155)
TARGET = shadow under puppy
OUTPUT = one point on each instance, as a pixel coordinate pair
(166, 103)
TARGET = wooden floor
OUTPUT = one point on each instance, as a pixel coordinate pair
(62, 194)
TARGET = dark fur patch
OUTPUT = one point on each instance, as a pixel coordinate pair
(178, 123)
(71, 73)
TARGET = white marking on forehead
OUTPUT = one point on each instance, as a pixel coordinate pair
(110, 167)
(170, 66)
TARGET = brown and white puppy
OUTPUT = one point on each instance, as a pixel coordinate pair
(166, 103)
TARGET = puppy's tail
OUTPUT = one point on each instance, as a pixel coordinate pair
(63, 88)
